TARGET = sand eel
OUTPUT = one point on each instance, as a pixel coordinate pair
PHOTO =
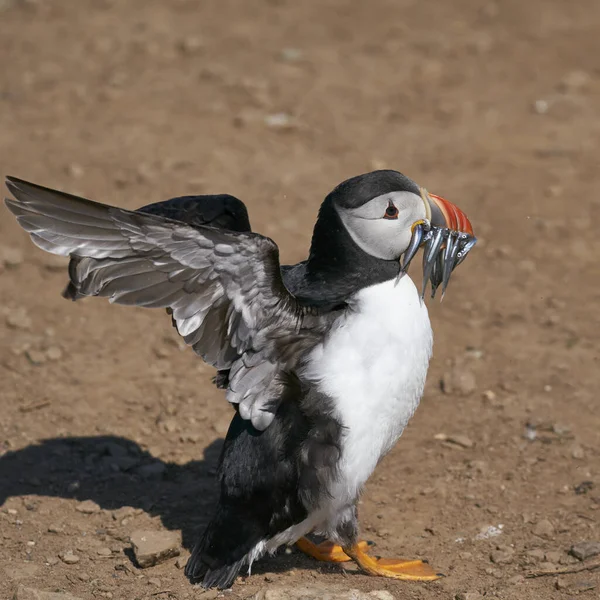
(324, 361)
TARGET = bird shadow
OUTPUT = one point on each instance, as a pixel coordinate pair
(116, 472)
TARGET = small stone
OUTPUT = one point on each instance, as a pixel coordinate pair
(68, 557)
(181, 562)
(18, 319)
(502, 557)
(162, 352)
(54, 353)
(541, 107)
(291, 54)
(155, 581)
(458, 381)
(575, 81)
(553, 556)
(52, 560)
(191, 44)
(10, 257)
(516, 580)
(279, 121)
(104, 552)
(74, 170)
(544, 529)
(124, 512)
(584, 550)
(35, 357)
(153, 547)
(584, 487)
(56, 528)
(461, 440)
(27, 593)
(489, 395)
(87, 507)
(83, 577)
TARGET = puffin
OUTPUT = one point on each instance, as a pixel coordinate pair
(324, 361)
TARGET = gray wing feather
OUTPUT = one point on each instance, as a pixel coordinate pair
(224, 289)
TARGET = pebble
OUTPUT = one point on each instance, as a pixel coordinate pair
(502, 556)
(124, 512)
(279, 121)
(35, 357)
(584, 487)
(154, 547)
(56, 528)
(18, 319)
(575, 81)
(537, 554)
(87, 507)
(54, 353)
(489, 531)
(181, 562)
(584, 550)
(458, 381)
(74, 170)
(553, 556)
(68, 557)
(291, 54)
(10, 257)
(191, 44)
(27, 593)
(155, 581)
(543, 528)
(104, 552)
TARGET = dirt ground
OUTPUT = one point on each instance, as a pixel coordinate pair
(494, 105)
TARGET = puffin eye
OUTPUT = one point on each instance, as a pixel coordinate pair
(391, 212)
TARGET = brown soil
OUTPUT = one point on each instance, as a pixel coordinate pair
(491, 104)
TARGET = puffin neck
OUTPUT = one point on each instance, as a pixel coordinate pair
(337, 264)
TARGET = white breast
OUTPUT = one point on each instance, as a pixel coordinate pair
(373, 364)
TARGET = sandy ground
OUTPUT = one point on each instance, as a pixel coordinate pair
(494, 105)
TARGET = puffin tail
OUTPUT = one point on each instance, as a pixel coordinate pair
(229, 542)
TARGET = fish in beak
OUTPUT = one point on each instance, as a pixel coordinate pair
(447, 237)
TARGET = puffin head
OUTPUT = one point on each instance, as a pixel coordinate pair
(389, 217)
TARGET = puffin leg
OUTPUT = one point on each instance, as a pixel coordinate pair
(327, 551)
(395, 568)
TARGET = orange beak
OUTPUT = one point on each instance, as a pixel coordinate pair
(446, 214)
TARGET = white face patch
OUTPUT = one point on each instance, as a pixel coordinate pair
(379, 236)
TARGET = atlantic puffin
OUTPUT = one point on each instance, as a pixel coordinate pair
(324, 361)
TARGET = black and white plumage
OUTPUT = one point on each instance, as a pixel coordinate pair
(325, 361)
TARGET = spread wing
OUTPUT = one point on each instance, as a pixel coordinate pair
(224, 289)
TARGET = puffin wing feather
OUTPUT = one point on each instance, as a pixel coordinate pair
(224, 289)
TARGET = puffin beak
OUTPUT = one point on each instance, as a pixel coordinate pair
(447, 235)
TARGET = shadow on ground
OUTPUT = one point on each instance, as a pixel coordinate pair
(115, 472)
